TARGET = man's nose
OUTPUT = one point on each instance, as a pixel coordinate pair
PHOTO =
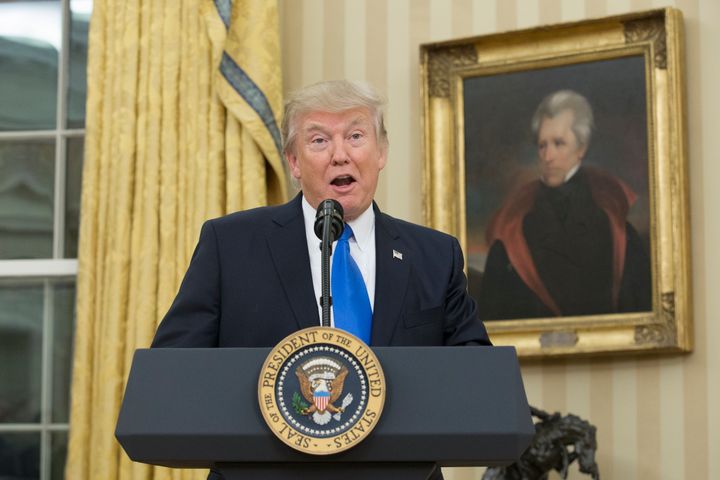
(340, 155)
(547, 154)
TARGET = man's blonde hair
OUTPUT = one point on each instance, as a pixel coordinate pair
(332, 96)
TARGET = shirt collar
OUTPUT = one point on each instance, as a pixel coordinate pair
(568, 175)
(572, 172)
(363, 226)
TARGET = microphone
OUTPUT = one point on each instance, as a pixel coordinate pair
(329, 212)
(329, 225)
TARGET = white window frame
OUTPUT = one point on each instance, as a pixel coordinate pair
(54, 268)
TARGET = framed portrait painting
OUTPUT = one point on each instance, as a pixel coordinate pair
(557, 156)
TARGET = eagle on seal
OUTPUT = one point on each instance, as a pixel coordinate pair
(321, 383)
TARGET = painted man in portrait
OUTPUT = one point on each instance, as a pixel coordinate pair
(561, 245)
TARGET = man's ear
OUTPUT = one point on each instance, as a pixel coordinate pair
(293, 164)
(583, 151)
(383, 156)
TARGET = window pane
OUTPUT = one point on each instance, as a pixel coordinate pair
(27, 175)
(30, 39)
(19, 456)
(63, 292)
(80, 11)
(21, 316)
(73, 182)
(58, 455)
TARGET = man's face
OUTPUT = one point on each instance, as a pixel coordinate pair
(336, 155)
(558, 149)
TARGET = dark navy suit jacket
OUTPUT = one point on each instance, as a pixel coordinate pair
(249, 285)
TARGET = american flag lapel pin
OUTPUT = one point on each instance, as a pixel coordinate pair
(397, 254)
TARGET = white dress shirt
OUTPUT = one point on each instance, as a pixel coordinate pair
(362, 250)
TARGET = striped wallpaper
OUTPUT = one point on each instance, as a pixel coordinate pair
(657, 417)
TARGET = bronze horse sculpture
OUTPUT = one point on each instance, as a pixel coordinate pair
(558, 442)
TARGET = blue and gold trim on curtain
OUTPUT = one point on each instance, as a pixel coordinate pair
(252, 94)
(248, 80)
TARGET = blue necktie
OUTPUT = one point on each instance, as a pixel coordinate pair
(351, 304)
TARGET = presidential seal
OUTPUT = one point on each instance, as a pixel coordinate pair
(321, 390)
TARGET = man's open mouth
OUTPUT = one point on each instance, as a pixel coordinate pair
(342, 180)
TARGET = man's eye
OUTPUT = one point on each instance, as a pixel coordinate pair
(356, 136)
(317, 140)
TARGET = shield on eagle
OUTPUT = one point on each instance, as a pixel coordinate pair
(321, 399)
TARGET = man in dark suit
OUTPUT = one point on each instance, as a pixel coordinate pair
(250, 284)
(562, 245)
(255, 275)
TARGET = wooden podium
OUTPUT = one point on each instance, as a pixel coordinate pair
(445, 406)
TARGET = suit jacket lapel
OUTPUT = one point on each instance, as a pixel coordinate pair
(288, 247)
(391, 278)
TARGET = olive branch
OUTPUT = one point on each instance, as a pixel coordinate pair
(298, 404)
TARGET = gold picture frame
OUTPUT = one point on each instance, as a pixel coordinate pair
(479, 95)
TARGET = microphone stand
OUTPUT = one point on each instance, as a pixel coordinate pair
(328, 227)
(325, 253)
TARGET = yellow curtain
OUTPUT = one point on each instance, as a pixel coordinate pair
(184, 98)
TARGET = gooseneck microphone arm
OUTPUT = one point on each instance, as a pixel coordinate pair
(328, 227)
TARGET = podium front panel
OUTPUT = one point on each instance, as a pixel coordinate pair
(457, 406)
